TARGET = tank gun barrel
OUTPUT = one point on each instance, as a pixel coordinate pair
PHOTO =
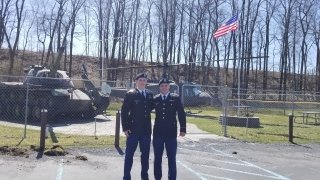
(100, 101)
(84, 70)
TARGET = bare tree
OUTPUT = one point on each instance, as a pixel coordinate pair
(192, 42)
(270, 8)
(41, 34)
(100, 21)
(150, 28)
(133, 35)
(60, 20)
(54, 27)
(76, 6)
(4, 12)
(249, 18)
(66, 24)
(16, 28)
(286, 20)
(119, 8)
(205, 37)
(316, 35)
(175, 31)
(181, 32)
(26, 35)
(304, 10)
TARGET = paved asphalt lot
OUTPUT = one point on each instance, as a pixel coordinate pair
(200, 156)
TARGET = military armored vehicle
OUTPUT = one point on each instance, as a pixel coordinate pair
(191, 93)
(56, 94)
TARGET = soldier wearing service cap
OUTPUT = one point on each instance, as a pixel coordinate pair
(136, 124)
(167, 106)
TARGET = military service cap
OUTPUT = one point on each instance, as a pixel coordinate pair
(164, 80)
(140, 75)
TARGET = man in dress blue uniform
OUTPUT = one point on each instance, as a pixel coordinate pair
(167, 105)
(136, 124)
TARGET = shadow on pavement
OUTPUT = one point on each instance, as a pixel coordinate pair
(39, 155)
(52, 135)
(301, 145)
(119, 150)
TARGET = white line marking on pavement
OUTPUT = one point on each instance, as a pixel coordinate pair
(243, 172)
(227, 162)
(216, 177)
(239, 164)
(252, 165)
(218, 154)
(60, 170)
(278, 176)
(266, 170)
(192, 171)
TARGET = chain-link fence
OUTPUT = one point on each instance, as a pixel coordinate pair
(120, 91)
(72, 106)
(254, 115)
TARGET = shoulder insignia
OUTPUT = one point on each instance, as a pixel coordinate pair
(132, 91)
(157, 96)
(174, 95)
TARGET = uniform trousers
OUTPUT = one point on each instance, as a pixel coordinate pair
(171, 148)
(131, 145)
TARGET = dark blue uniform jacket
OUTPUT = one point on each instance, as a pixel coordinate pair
(135, 112)
(166, 123)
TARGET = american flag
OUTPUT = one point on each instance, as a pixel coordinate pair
(230, 25)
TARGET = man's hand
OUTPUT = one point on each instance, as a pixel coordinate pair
(182, 134)
(127, 132)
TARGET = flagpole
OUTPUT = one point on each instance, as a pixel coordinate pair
(239, 62)
(239, 84)
(231, 25)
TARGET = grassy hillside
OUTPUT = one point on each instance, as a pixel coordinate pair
(178, 73)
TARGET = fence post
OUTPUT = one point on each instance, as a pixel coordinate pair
(292, 101)
(26, 112)
(117, 135)
(44, 114)
(95, 128)
(290, 128)
(225, 119)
